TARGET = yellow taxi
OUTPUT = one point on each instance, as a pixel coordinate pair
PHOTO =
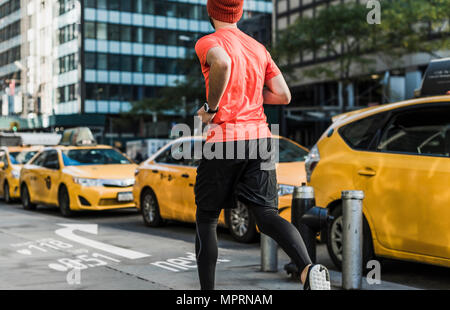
(78, 175)
(12, 159)
(164, 188)
(399, 155)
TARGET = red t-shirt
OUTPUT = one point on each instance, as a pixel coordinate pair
(241, 113)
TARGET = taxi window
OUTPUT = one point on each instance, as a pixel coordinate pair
(364, 133)
(39, 160)
(20, 158)
(51, 160)
(94, 156)
(168, 156)
(421, 131)
(12, 158)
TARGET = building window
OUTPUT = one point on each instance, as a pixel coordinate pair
(89, 30)
(114, 5)
(9, 56)
(65, 6)
(9, 7)
(90, 4)
(10, 31)
(67, 63)
(114, 62)
(102, 32)
(67, 33)
(66, 93)
(90, 60)
(102, 61)
(102, 4)
(114, 32)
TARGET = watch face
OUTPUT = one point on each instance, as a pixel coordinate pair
(206, 107)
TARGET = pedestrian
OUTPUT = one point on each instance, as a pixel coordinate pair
(240, 77)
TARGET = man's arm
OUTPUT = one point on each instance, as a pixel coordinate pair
(219, 74)
(277, 91)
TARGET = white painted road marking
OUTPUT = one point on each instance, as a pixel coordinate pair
(68, 233)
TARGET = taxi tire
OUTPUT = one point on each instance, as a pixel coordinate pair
(251, 235)
(6, 195)
(368, 252)
(64, 202)
(157, 220)
(25, 197)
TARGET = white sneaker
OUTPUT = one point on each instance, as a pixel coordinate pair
(317, 278)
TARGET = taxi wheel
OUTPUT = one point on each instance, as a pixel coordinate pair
(64, 202)
(150, 209)
(241, 223)
(334, 239)
(25, 197)
(6, 195)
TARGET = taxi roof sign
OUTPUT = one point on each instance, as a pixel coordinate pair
(78, 136)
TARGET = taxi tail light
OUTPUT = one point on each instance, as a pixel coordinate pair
(311, 162)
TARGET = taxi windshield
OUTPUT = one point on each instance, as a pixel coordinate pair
(21, 158)
(94, 156)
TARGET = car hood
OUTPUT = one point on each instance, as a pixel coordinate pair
(292, 173)
(120, 171)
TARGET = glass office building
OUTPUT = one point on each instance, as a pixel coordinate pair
(129, 49)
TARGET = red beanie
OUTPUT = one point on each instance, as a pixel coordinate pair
(228, 11)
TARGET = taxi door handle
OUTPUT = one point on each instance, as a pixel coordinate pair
(367, 172)
(185, 175)
(155, 171)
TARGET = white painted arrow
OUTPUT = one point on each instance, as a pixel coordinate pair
(68, 233)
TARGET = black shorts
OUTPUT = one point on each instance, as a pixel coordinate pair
(250, 178)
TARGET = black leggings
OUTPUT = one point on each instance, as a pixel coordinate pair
(269, 223)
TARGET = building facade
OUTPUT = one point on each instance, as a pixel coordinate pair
(95, 57)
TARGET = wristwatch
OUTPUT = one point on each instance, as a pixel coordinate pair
(208, 109)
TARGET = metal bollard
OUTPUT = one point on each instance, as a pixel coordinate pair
(352, 242)
(308, 219)
(269, 254)
(302, 201)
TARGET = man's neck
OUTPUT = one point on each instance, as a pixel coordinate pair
(221, 25)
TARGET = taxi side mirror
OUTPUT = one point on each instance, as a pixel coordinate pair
(2, 165)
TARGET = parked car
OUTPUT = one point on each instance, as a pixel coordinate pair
(164, 188)
(78, 175)
(12, 159)
(399, 155)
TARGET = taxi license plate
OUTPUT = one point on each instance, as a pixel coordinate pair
(125, 196)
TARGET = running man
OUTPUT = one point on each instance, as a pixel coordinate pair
(240, 77)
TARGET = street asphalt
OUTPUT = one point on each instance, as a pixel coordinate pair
(115, 250)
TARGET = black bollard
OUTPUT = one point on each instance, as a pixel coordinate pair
(308, 219)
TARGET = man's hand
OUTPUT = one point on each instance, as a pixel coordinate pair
(206, 117)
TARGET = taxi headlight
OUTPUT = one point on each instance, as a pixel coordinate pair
(284, 189)
(88, 182)
(104, 182)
